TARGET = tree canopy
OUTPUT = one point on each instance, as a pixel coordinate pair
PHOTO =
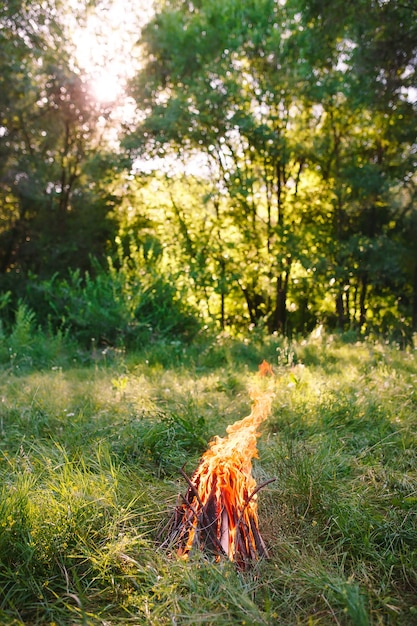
(306, 116)
(272, 159)
(54, 194)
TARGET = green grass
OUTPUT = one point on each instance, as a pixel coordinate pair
(90, 452)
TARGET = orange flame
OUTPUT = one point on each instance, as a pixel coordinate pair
(219, 511)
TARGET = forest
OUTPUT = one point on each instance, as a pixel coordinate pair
(257, 172)
(208, 313)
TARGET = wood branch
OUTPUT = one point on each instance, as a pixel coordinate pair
(208, 526)
(207, 523)
(254, 492)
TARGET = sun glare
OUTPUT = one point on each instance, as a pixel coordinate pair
(107, 88)
(105, 45)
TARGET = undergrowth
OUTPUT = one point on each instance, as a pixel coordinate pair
(90, 453)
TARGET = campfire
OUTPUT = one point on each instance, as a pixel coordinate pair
(218, 512)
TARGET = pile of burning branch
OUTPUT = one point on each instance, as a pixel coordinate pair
(218, 512)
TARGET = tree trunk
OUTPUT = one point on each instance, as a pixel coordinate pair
(342, 309)
(278, 319)
(362, 301)
(222, 292)
(251, 300)
(414, 309)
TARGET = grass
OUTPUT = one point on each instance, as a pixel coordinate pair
(90, 452)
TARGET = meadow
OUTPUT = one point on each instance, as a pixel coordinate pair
(91, 446)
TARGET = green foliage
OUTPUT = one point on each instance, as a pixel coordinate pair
(27, 345)
(55, 196)
(127, 306)
(297, 220)
(289, 195)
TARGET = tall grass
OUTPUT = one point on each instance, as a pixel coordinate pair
(89, 475)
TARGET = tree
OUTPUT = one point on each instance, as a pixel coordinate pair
(50, 143)
(302, 158)
(360, 63)
(215, 81)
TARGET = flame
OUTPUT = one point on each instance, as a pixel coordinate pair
(219, 510)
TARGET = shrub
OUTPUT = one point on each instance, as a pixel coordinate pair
(28, 345)
(122, 306)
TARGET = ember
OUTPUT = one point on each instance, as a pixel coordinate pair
(219, 510)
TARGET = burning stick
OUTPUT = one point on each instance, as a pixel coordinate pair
(219, 510)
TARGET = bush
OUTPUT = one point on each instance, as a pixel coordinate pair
(28, 345)
(125, 306)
